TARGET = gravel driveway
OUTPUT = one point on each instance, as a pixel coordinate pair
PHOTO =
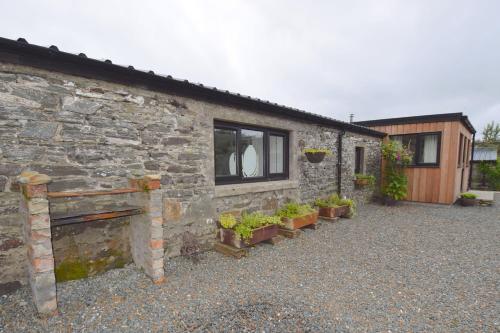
(407, 268)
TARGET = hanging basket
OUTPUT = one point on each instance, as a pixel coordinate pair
(315, 157)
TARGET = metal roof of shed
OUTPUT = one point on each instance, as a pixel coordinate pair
(485, 154)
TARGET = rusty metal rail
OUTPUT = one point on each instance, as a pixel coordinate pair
(59, 219)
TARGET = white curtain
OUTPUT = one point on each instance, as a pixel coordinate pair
(430, 149)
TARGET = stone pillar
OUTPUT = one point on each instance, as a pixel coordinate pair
(35, 208)
(146, 230)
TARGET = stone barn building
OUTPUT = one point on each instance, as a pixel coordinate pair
(91, 125)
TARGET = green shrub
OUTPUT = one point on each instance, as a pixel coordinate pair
(248, 223)
(395, 180)
(468, 195)
(293, 210)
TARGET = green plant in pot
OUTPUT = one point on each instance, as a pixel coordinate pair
(364, 180)
(295, 215)
(468, 199)
(333, 207)
(250, 229)
(316, 155)
(396, 158)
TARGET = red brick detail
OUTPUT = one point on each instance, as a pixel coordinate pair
(43, 264)
(156, 244)
(35, 191)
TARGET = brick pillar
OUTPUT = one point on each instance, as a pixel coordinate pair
(146, 230)
(35, 208)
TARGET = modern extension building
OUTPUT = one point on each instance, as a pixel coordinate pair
(442, 145)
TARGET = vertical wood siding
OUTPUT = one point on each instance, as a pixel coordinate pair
(435, 184)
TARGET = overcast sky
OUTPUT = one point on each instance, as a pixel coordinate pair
(375, 59)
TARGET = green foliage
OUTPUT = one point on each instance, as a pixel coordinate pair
(370, 178)
(293, 210)
(331, 201)
(249, 222)
(352, 206)
(396, 186)
(396, 159)
(227, 221)
(491, 133)
(468, 195)
(491, 173)
(317, 150)
(395, 154)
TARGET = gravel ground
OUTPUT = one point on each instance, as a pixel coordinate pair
(407, 268)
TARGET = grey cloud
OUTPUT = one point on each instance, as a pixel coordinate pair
(371, 58)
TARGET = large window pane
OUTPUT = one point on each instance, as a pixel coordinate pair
(428, 149)
(252, 153)
(226, 163)
(407, 141)
(276, 152)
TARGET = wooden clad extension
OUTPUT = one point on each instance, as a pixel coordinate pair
(443, 183)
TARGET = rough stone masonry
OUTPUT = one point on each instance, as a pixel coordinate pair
(90, 134)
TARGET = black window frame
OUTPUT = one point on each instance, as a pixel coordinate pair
(267, 131)
(419, 137)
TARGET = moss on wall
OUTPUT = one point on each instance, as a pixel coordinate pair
(74, 269)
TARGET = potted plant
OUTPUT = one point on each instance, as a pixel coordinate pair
(361, 180)
(251, 229)
(396, 158)
(315, 155)
(295, 216)
(333, 207)
(468, 199)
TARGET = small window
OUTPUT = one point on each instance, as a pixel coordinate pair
(359, 160)
(425, 147)
(247, 153)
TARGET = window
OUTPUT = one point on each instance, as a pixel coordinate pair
(247, 153)
(359, 160)
(425, 147)
(460, 150)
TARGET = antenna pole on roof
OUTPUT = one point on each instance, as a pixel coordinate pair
(351, 117)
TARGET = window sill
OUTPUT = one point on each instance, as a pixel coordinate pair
(239, 189)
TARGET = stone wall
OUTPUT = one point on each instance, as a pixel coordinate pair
(89, 134)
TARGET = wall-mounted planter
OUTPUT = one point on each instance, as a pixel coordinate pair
(315, 157)
(332, 212)
(299, 222)
(362, 182)
(229, 237)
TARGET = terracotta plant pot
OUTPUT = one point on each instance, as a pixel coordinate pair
(228, 236)
(362, 182)
(315, 157)
(332, 212)
(468, 202)
(299, 222)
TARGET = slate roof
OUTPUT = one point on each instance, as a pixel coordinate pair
(51, 58)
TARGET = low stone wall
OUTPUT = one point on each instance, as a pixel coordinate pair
(89, 134)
